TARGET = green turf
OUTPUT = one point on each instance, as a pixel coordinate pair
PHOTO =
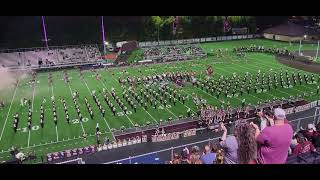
(68, 136)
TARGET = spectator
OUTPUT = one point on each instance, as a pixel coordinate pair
(230, 147)
(274, 141)
(312, 135)
(176, 159)
(219, 157)
(294, 142)
(185, 156)
(303, 145)
(247, 146)
(195, 159)
(208, 156)
(195, 156)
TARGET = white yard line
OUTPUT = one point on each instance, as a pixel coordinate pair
(5, 122)
(103, 117)
(168, 110)
(276, 69)
(150, 115)
(215, 97)
(57, 134)
(110, 93)
(280, 68)
(186, 106)
(34, 89)
(266, 92)
(71, 96)
(29, 138)
(253, 95)
(55, 142)
(256, 97)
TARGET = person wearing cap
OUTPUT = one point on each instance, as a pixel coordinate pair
(312, 134)
(303, 145)
(274, 141)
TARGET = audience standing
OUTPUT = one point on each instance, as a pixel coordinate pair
(274, 141)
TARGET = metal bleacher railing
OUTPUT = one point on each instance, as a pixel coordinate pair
(73, 161)
(164, 155)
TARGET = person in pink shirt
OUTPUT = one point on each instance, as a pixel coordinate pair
(274, 140)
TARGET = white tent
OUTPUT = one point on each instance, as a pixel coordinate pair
(119, 44)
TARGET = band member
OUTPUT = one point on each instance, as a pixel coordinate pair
(189, 112)
(67, 118)
(114, 111)
(15, 127)
(91, 114)
(29, 125)
(55, 120)
(41, 123)
(97, 128)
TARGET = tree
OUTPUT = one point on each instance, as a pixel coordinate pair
(159, 22)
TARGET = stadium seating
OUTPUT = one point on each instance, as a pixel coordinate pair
(55, 56)
(173, 52)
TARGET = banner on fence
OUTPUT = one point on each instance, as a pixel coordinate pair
(298, 109)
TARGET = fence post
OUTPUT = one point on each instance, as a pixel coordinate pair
(171, 153)
(298, 125)
(316, 116)
(129, 159)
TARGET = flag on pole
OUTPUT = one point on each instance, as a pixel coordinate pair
(226, 25)
(209, 70)
(317, 52)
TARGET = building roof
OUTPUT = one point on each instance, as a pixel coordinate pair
(291, 29)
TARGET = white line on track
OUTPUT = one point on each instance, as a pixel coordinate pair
(5, 122)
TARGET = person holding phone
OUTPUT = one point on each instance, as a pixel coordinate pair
(229, 145)
(274, 140)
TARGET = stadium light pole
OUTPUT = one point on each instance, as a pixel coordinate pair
(317, 51)
(300, 48)
(44, 32)
(103, 36)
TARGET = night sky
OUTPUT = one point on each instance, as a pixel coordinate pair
(26, 31)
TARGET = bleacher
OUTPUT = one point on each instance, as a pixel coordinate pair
(169, 53)
(53, 56)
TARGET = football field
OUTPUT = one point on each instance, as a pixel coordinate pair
(53, 138)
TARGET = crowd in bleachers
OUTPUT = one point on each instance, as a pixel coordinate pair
(173, 52)
(54, 56)
(270, 142)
